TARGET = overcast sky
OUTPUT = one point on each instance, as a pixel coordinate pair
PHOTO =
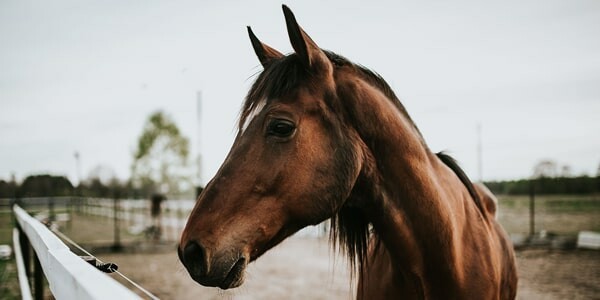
(84, 75)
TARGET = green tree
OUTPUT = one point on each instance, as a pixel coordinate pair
(161, 159)
(8, 189)
(45, 186)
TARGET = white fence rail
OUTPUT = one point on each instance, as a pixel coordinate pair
(21, 274)
(69, 276)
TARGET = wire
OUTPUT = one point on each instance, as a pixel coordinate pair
(66, 238)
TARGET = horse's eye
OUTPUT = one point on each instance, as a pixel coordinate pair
(281, 128)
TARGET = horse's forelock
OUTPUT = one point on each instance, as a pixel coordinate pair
(280, 77)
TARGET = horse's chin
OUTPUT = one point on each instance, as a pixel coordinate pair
(236, 275)
(225, 276)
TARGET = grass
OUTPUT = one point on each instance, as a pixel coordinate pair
(558, 203)
(9, 286)
(6, 226)
(563, 214)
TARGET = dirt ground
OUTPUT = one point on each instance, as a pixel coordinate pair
(306, 268)
(552, 274)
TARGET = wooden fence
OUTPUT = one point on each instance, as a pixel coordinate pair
(68, 275)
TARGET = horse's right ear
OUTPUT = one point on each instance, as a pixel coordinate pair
(308, 51)
(265, 53)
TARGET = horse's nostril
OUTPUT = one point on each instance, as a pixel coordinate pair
(194, 258)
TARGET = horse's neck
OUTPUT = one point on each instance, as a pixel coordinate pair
(404, 195)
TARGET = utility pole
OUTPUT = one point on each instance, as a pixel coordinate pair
(199, 186)
(78, 187)
(117, 246)
(532, 206)
(479, 154)
(77, 167)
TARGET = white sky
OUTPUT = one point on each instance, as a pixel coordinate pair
(84, 75)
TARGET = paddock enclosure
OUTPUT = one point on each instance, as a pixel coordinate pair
(304, 267)
(68, 275)
(204, 150)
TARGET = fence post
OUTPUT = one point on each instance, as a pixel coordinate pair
(117, 236)
(38, 279)
(51, 213)
(25, 251)
(531, 207)
(70, 212)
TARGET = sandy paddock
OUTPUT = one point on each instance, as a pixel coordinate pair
(305, 268)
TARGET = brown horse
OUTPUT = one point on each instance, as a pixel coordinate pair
(320, 137)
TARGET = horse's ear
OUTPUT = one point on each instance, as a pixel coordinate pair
(305, 47)
(265, 53)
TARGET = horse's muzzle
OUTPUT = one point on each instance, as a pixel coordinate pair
(224, 271)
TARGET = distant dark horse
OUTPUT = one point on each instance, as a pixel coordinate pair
(320, 137)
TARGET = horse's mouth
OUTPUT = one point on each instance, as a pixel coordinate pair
(235, 277)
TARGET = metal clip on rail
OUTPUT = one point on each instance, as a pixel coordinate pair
(104, 267)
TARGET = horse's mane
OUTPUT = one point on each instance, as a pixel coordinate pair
(350, 229)
(453, 165)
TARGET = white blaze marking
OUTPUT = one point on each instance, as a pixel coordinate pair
(255, 112)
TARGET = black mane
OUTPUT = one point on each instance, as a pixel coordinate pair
(453, 165)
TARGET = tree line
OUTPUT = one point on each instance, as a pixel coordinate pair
(56, 186)
(547, 185)
(46, 185)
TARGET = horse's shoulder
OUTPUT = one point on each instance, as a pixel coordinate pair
(488, 199)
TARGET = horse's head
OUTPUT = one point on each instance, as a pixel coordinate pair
(292, 164)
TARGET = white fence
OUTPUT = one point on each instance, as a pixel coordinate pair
(136, 216)
(69, 276)
(21, 274)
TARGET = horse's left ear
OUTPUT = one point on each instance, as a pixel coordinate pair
(265, 53)
(305, 47)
